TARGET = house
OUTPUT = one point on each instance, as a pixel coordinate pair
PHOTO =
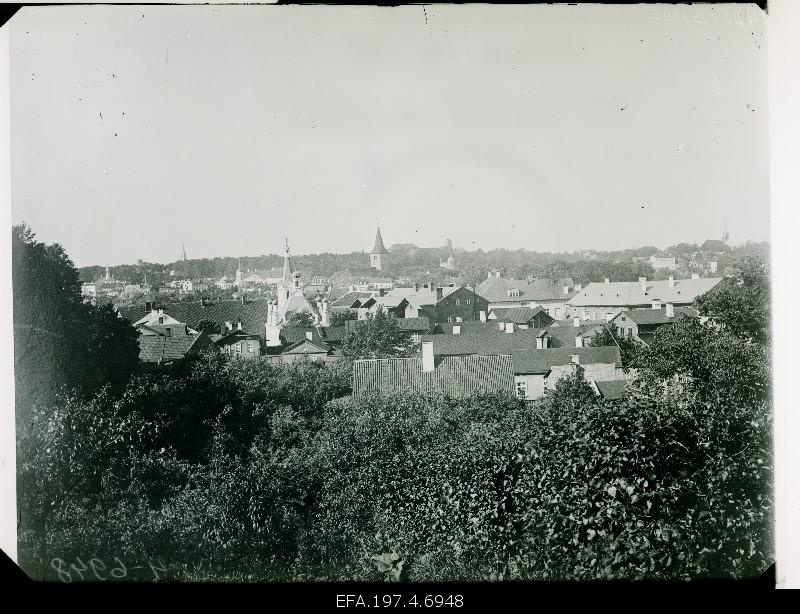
(643, 323)
(575, 332)
(663, 262)
(329, 335)
(351, 299)
(536, 371)
(239, 343)
(443, 304)
(527, 317)
(454, 376)
(307, 349)
(395, 306)
(551, 295)
(598, 300)
(414, 328)
(161, 344)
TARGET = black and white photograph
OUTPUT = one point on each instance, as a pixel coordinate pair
(423, 293)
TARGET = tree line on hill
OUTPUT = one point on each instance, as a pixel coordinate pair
(224, 469)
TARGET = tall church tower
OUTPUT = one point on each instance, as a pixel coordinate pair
(239, 275)
(377, 257)
(286, 283)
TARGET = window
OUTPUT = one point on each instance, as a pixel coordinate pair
(469, 301)
(250, 347)
(522, 390)
(416, 337)
(513, 293)
(458, 302)
(238, 347)
(458, 319)
(161, 319)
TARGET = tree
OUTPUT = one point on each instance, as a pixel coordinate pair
(59, 341)
(714, 245)
(610, 335)
(338, 318)
(301, 319)
(741, 304)
(376, 337)
(207, 326)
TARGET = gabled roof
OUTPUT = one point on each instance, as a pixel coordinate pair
(457, 376)
(496, 290)
(166, 348)
(307, 347)
(566, 334)
(351, 299)
(537, 362)
(378, 247)
(294, 334)
(650, 316)
(422, 296)
(614, 389)
(630, 293)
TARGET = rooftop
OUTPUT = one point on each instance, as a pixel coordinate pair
(498, 289)
(456, 376)
(541, 361)
(615, 293)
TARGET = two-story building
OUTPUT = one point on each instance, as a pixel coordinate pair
(551, 295)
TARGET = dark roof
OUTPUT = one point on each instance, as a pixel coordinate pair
(253, 315)
(517, 315)
(334, 334)
(566, 334)
(541, 361)
(379, 247)
(456, 376)
(612, 390)
(232, 337)
(485, 342)
(166, 348)
(162, 329)
(657, 316)
(293, 334)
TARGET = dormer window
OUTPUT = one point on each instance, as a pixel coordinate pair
(514, 293)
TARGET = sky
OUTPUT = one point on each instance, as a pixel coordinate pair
(228, 129)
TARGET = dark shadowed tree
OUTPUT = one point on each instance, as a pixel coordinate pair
(300, 318)
(610, 336)
(376, 337)
(741, 304)
(338, 318)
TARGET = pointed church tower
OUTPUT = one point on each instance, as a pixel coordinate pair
(108, 273)
(377, 257)
(239, 275)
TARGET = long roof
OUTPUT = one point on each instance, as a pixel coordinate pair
(536, 362)
(253, 315)
(517, 315)
(422, 296)
(650, 316)
(496, 289)
(166, 348)
(630, 293)
(486, 342)
(456, 376)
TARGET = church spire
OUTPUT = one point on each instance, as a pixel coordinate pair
(379, 248)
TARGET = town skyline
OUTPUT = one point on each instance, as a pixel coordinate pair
(135, 130)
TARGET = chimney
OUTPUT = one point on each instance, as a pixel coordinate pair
(643, 283)
(539, 343)
(168, 330)
(429, 286)
(438, 294)
(609, 317)
(381, 291)
(456, 329)
(671, 281)
(427, 356)
(416, 287)
(186, 329)
(309, 335)
(695, 275)
(239, 325)
(509, 327)
(566, 289)
(656, 304)
(482, 316)
(202, 302)
(607, 280)
(576, 359)
(578, 341)
(148, 306)
(576, 322)
(578, 287)
(242, 298)
(670, 310)
(223, 329)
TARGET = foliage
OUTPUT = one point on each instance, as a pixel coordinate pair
(338, 318)
(741, 304)
(610, 335)
(300, 318)
(376, 337)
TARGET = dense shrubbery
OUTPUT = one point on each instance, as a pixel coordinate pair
(221, 468)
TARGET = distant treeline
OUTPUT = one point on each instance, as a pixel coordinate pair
(423, 263)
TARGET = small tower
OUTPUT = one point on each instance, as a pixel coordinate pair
(183, 253)
(108, 273)
(725, 236)
(286, 282)
(377, 257)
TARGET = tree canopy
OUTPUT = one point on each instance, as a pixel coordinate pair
(376, 337)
